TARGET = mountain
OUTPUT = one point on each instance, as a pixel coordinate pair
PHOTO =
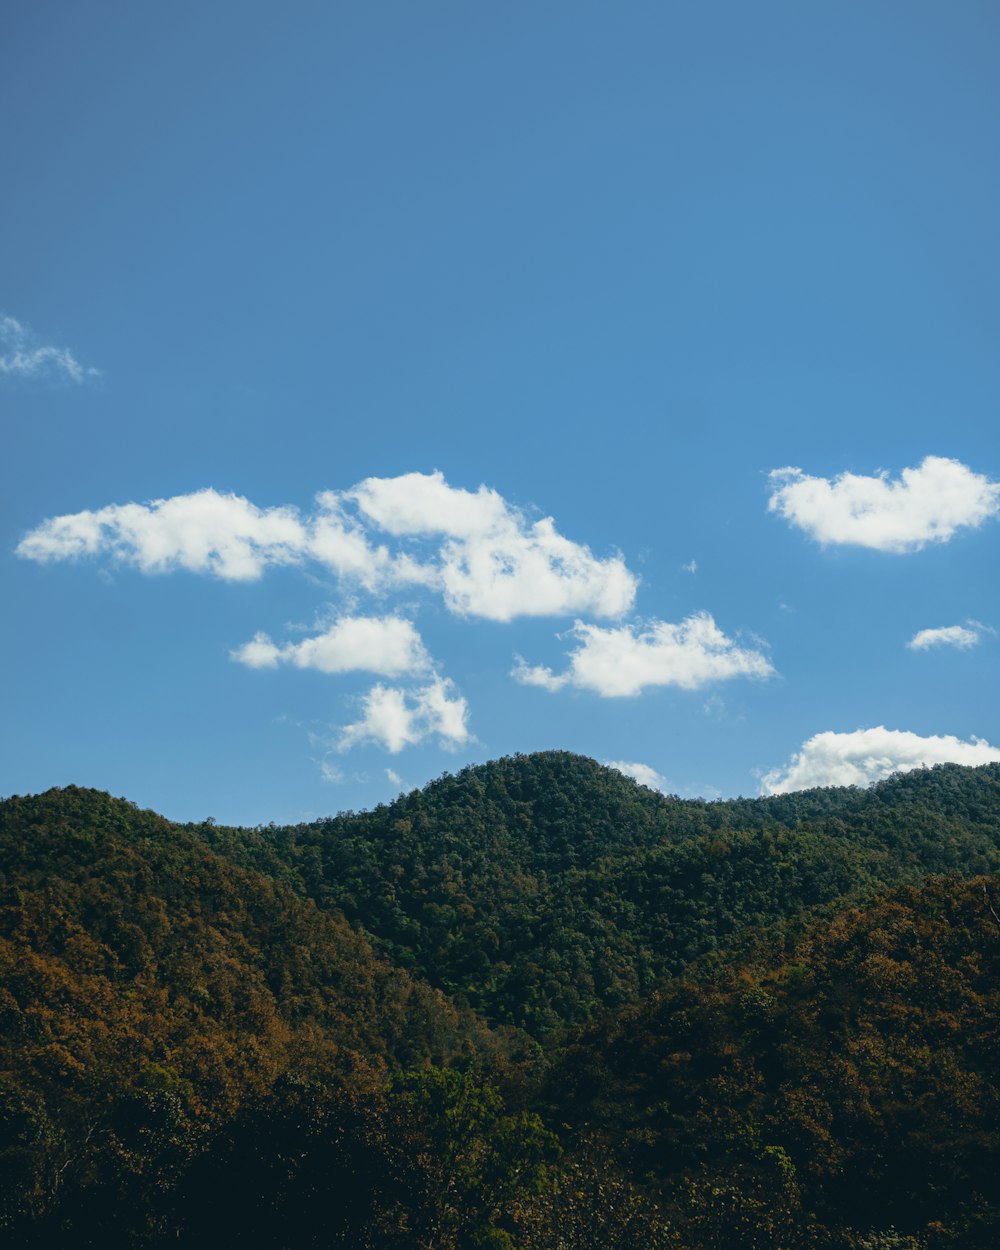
(540, 889)
(149, 988)
(853, 1080)
(533, 1005)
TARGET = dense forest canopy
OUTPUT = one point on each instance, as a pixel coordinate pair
(540, 889)
(531, 1005)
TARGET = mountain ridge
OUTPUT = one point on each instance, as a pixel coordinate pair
(532, 1004)
(601, 885)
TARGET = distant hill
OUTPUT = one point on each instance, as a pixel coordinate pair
(539, 889)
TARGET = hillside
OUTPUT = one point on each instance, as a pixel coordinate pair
(852, 1082)
(540, 889)
(149, 988)
(763, 1024)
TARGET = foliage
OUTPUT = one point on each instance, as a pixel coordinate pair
(149, 988)
(754, 1025)
(852, 1083)
(543, 889)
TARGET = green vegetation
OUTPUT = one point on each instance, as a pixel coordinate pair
(531, 1007)
(858, 1073)
(540, 889)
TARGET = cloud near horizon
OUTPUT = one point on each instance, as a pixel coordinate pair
(867, 755)
(642, 773)
(622, 662)
(489, 559)
(926, 504)
(21, 355)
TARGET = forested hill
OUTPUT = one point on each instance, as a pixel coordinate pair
(852, 1080)
(266, 1037)
(140, 970)
(541, 888)
(97, 894)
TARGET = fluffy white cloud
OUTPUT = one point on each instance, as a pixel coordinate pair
(625, 660)
(424, 503)
(337, 540)
(387, 645)
(225, 536)
(866, 755)
(394, 718)
(206, 532)
(21, 355)
(642, 773)
(532, 572)
(494, 562)
(491, 561)
(926, 504)
(961, 636)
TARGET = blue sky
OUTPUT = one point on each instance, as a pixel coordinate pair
(350, 300)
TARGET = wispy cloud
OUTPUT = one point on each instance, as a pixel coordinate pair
(23, 356)
(926, 504)
(867, 755)
(624, 661)
(961, 636)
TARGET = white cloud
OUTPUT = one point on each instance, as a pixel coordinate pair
(948, 635)
(424, 503)
(926, 504)
(492, 562)
(338, 541)
(206, 532)
(394, 718)
(866, 755)
(960, 636)
(21, 355)
(623, 661)
(539, 675)
(690, 567)
(394, 778)
(642, 773)
(387, 645)
(532, 572)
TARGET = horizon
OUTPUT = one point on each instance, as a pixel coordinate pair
(447, 775)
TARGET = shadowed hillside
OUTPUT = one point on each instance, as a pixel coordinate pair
(853, 1080)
